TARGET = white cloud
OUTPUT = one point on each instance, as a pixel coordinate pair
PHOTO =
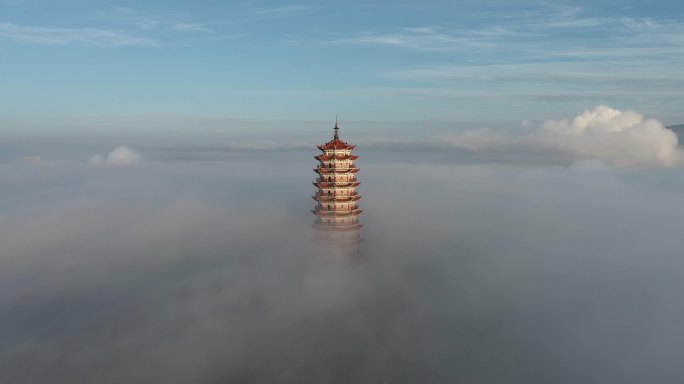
(422, 38)
(285, 11)
(190, 27)
(121, 156)
(620, 138)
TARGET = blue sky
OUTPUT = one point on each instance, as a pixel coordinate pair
(98, 65)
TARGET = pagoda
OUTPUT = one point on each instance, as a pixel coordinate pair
(337, 211)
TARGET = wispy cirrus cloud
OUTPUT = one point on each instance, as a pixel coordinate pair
(150, 20)
(536, 33)
(190, 27)
(556, 16)
(115, 27)
(285, 11)
(259, 14)
(420, 38)
(93, 37)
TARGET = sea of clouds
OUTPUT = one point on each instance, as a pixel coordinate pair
(197, 267)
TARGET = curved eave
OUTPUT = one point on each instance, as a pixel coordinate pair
(320, 170)
(336, 147)
(319, 212)
(336, 198)
(339, 157)
(332, 184)
(335, 144)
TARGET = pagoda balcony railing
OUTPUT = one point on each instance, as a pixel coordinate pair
(336, 197)
(325, 211)
(326, 164)
(322, 221)
(352, 180)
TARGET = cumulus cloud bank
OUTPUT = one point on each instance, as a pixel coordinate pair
(120, 156)
(620, 138)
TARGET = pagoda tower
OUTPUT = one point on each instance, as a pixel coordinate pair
(337, 211)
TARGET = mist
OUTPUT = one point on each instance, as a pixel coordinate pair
(196, 266)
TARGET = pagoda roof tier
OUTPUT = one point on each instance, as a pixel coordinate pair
(346, 227)
(336, 170)
(335, 143)
(323, 212)
(333, 184)
(354, 197)
(336, 157)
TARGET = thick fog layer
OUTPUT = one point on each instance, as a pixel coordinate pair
(202, 271)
